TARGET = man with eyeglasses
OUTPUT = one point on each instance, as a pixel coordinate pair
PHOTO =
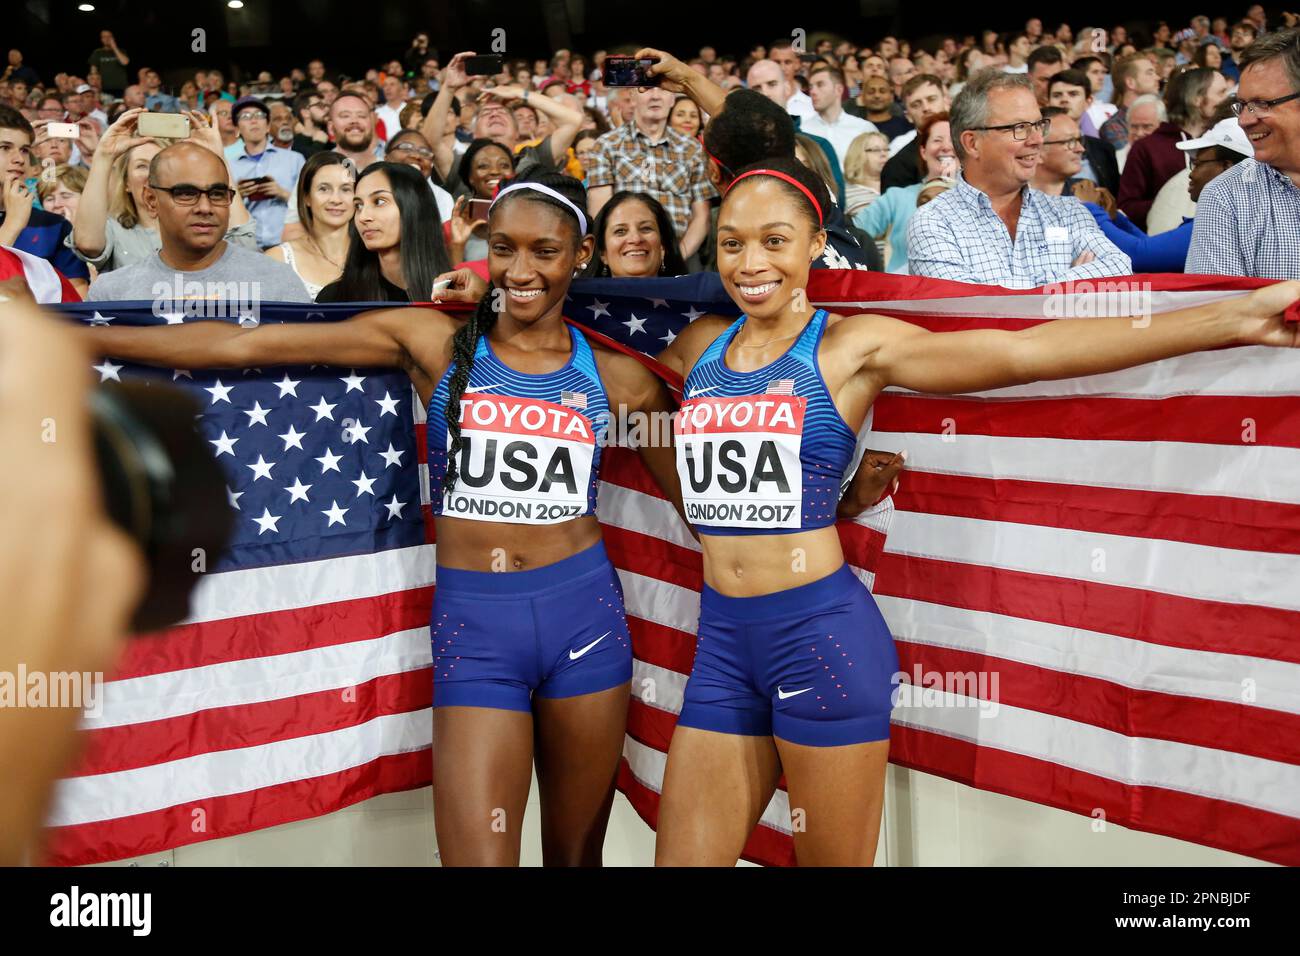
(1248, 219)
(266, 174)
(189, 192)
(1062, 155)
(992, 227)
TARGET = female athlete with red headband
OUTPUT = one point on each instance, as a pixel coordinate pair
(793, 667)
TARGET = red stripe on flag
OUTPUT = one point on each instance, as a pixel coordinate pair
(1106, 608)
(276, 632)
(271, 806)
(130, 746)
(1185, 816)
(1204, 419)
(1133, 712)
(1215, 521)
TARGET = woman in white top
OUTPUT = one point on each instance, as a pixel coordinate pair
(863, 164)
(325, 209)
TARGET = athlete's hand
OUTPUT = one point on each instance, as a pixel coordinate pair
(876, 477)
(1262, 318)
(466, 286)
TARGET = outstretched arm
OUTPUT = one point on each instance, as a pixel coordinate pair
(680, 78)
(899, 353)
(380, 337)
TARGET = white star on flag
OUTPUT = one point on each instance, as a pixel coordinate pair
(365, 485)
(298, 491)
(335, 514)
(234, 497)
(174, 318)
(392, 456)
(323, 409)
(261, 468)
(692, 314)
(98, 319)
(225, 446)
(394, 507)
(634, 324)
(178, 372)
(669, 337)
(656, 303)
(292, 439)
(287, 386)
(330, 462)
(267, 521)
(356, 433)
(598, 308)
(257, 414)
(108, 370)
(387, 405)
(353, 381)
(220, 393)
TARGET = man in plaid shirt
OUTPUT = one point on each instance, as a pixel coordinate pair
(646, 155)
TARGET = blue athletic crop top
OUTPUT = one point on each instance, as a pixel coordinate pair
(531, 443)
(761, 452)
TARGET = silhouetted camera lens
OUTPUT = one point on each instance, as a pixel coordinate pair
(163, 487)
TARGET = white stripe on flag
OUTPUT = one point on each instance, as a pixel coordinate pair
(1154, 564)
(222, 773)
(1260, 472)
(1110, 657)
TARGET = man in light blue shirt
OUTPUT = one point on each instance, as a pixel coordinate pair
(992, 227)
(1248, 219)
(267, 202)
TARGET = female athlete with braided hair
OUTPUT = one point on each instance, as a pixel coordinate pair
(794, 663)
(532, 657)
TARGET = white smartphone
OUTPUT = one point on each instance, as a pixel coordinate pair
(62, 130)
(163, 125)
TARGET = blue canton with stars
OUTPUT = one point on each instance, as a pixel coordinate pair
(649, 320)
(320, 462)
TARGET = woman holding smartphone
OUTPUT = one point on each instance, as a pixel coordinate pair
(113, 226)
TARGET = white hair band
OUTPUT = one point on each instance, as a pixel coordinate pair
(546, 190)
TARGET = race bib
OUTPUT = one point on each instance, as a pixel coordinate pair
(738, 460)
(522, 460)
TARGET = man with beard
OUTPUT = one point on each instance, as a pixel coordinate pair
(312, 115)
(351, 126)
(1243, 35)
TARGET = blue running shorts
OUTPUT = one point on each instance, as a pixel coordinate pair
(813, 665)
(555, 631)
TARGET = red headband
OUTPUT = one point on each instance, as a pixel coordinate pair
(821, 219)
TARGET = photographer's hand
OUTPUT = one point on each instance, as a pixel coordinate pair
(69, 580)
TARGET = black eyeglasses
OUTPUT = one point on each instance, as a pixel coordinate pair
(1074, 142)
(1019, 131)
(1260, 107)
(187, 195)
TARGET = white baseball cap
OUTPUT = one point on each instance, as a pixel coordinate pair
(1226, 133)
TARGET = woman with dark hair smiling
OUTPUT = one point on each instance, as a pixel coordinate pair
(325, 209)
(397, 251)
(630, 231)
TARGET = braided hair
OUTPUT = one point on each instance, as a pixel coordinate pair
(465, 342)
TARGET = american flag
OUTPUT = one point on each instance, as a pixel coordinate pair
(1119, 550)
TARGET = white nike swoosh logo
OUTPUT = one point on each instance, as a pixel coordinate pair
(794, 693)
(574, 655)
(483, 388)
(701, 391)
